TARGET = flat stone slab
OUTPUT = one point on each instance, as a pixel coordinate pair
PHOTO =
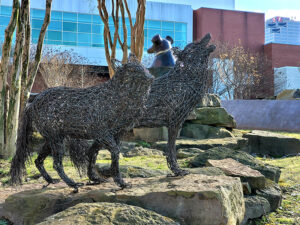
(108, 214)
(213, 200)
(233, 168)
(272, 144)
(204, 144)
(218, 153)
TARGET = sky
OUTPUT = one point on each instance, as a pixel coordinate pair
(271, 8)
(283, 8)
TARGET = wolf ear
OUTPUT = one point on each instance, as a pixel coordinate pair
(170, 39)
(157, 39)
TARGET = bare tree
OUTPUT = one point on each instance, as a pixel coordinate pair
(237, 73)
(137, 30)
(65, 68)
(15, 93)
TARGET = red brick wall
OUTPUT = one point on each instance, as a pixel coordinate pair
(283, 55)
(230, 26)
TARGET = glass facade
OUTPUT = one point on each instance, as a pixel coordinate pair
(282, 30)
(76, 29)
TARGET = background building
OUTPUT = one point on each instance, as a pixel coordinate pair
(282, 30)
(231, 26)
(77, 25)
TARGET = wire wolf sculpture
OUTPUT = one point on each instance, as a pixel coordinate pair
(100, 113)
(172, 98)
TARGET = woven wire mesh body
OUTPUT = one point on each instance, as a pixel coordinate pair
(172, 97)
(100, 113)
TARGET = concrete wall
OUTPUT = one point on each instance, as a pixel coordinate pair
(286, 78)
(231, 26)
(265, 114)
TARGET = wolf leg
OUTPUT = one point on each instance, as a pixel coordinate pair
(57, 153)
(92, 157)
(39, 163)
(171, 152)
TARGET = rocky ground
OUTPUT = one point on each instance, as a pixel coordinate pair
(143, 164)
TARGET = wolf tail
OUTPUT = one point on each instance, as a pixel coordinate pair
(22, 155)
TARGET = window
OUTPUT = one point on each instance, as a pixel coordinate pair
(67, 26)
(69, 36)
(84, 27)
(54, 35)
(85, 18)
(154, 24)
(72, 17)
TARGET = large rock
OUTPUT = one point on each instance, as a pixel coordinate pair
(272, 144)
(151, 134)
(214, 116)
(256, 207)
(192, 130)
(108, 214)
(218, 153)
(272, 192)
(187, 152)
(131, 171)
(192, 199)
(233, 168)
(234, 143)
(209, 100)
(208, 171)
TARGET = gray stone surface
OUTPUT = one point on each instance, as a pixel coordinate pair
(213, 200)
(217, 153)
(233, 168)
(272, 192)
(198, 131)
(256, 206)
(272, 144)
(215, 116)
(107, 214)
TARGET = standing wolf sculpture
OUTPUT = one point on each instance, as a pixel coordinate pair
(100, 113)
(172, 97)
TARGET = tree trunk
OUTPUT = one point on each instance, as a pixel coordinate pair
(3, 76)
(15, 86)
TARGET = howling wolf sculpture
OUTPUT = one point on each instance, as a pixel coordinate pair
(100, 113)
(172, 97)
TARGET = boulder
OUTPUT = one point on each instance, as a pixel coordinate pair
(233, 168)
(108, 214)
(151, 134)
(141, 151)
(256, 207)
(210, 100)
(214, 116)
(272, 144)
(130, 171)
(213, 200)
(218, 153)
(192, 130)
(289, 94)
(246, 188)
(272, 192)
(204, 144)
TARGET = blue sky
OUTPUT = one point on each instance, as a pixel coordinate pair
(285, 8)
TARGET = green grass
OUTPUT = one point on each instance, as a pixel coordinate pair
(289, 212)
(153, 162)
